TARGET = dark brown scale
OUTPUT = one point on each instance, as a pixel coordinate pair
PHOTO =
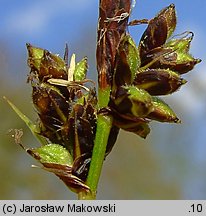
(48, 102)
(81, 165)
(122, 70)
(164, 58)
(122, 103)
(85, 135)
(48, 66)
(67, 134)
(64, 172)
(53, 110)
(112, 139)
(41, 99)
(85, 130)
(154, 36)
(128, 123)
(158, 81)
(52, 67)
(183, 67)
(50, 122)
(136, 125)
(158, 30)
(159, 58)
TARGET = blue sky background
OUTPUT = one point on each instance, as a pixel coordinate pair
(181, 149)
(50, 24)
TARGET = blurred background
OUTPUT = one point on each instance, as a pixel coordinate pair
(169, 164)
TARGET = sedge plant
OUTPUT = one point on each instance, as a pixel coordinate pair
(77, 127)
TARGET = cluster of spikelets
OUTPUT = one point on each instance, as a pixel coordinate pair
(66, 109)
(67, 105)
(152, 69)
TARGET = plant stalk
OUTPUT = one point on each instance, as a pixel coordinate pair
(104, 124)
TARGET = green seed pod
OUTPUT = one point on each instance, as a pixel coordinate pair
(184, 61)
(141, 101)
(164, 58)
(132, 101)
(162, 112)
(81, 70)
(159, 81)
(181, 44)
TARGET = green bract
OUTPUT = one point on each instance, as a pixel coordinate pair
(54, 153)
(179, 47)
(129, 49)
(36, 54)
(81, 70)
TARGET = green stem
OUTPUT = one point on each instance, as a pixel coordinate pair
(104, 124)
